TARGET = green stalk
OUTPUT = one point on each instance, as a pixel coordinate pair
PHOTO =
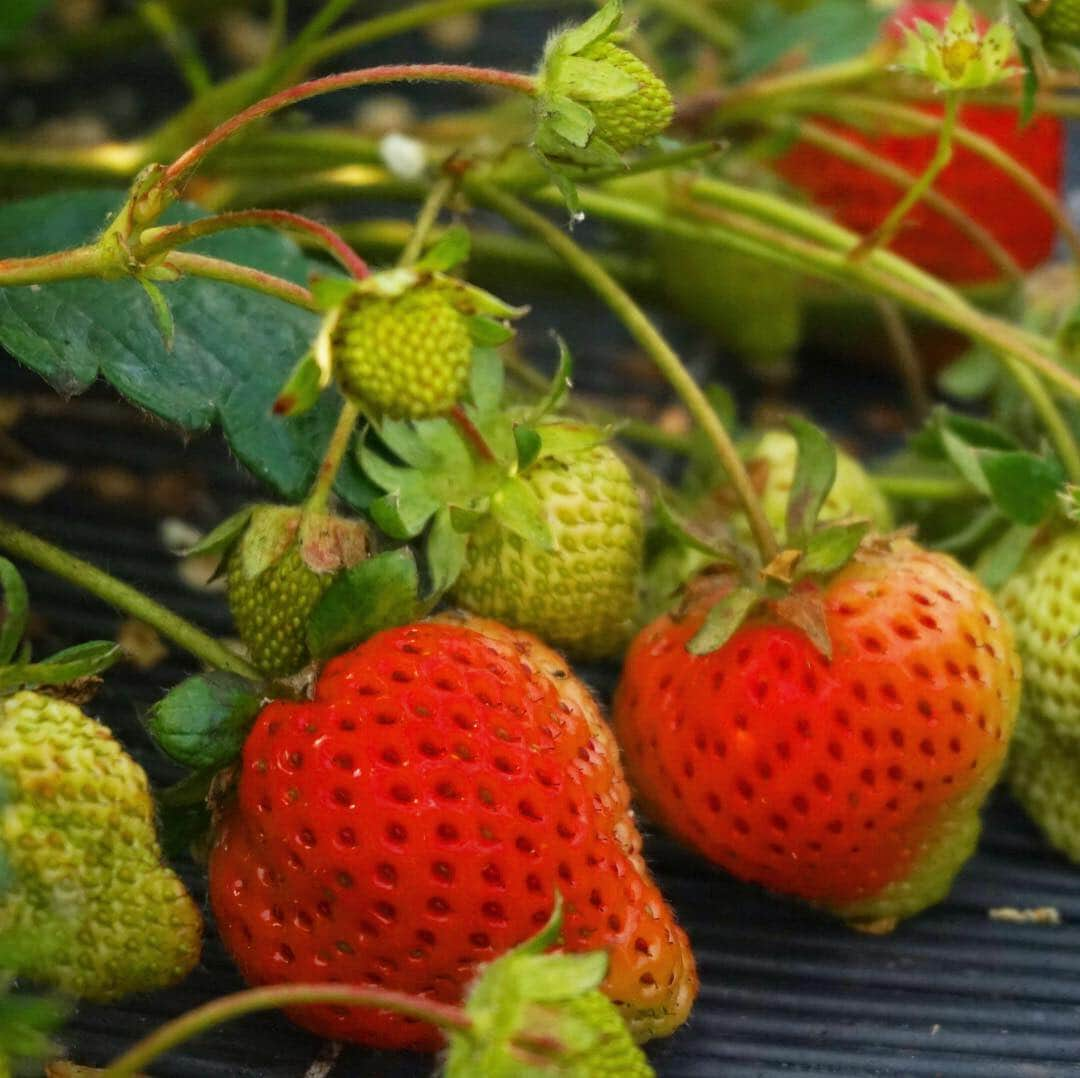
(426, 219)
(177, 42)
(340, 440)
(883, 235)
(646, 334)
(123, 597)
(274, 997)
(217, 269)
(929, 488)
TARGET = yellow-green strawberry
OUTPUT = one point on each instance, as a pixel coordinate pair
(1044, 776)
(627, 122)
(277, 570)
(1057, 20)
(535, 1014)
(91, 908)
(579, 594)
(405, 356)
(1042, 600)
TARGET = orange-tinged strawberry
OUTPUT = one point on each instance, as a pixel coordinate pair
(415, 821)
(853, 783)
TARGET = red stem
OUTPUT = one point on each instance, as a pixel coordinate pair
(468, 428)
(282, 220)
(477, 76)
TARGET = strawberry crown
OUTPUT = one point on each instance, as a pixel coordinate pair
(17, 671)
(790, 585)
(446, 477)
(486, 315)
(521, 1023)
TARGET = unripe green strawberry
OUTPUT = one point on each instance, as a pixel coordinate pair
(1042, 601)
(626, 122)
(771, 463)
(406, 356)
(1044, 776)
(92, 909)
(277, 571)
(1057, 20)
(581, 595)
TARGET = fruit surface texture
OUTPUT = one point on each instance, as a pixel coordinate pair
(853, 783)
(415, 820)
(91, 910)
(627, 122)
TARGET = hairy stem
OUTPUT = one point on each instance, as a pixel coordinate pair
(123, 597)
(182, 167)
(319, 497)
(217, 269)
(239, 1004)
(88, 261)
(646, 334)
(156, 240)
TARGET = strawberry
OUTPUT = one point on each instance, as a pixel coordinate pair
(404, 356)
(279, 561)
(1043, 605)
(580, 592)
(862, 200)
(91, 909)
(415, 821)
(1057, 20)
(854, 783)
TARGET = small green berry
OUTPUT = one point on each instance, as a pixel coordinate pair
(405, 357)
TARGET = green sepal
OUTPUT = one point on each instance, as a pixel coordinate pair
(404, 441)
(516, 506)
(564, 439)
(815, 473)
(565, 121)
(529, 444)
(446, 547)
(561, 383)
(487, 332)
(27, 1025)
(487, 380)
(71, 664)
(1069, 502)
(723, 620)
(331, 292)
(203, 721)
(16, 610)
(965, 459)
(1023, 486)
(999, 561)
(595, 80)
(678, 527)
(163, 317)
(302, 388)
(402, 517)
(373, 595)
(223, 536)
(594, 28)
(806, 612)
(184, 809)
(450, 250)
(831, 548)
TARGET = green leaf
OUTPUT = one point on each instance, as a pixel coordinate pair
(488, 333)
(16, 15)
(486, 380)
(27, 1024)
(202, 723)
(999, 561)
(815, 473)
(451, 249)
(83, 660)
(516, 506)
(446, 548)
(234, 348)
(970, 377)
(723, 620)
(224, 535)
(965, 459)
(185, 812)
(831, 548)
(373, 595)
(16, 610)
(163, 317)
(551, 977)
(1024, 487)
(559, 387)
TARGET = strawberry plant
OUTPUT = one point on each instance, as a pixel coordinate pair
(409, 811)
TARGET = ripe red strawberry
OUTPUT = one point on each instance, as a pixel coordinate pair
(415, 821)
(861, 200)
(853, 783)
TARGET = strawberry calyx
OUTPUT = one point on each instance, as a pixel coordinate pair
(436, 478)
(483, 319)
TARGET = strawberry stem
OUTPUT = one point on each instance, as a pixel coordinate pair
(319, 496)
(218, 269)
(426, 219)
(123, 597)
(646, 334)
(273, 997)
(884, 234)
